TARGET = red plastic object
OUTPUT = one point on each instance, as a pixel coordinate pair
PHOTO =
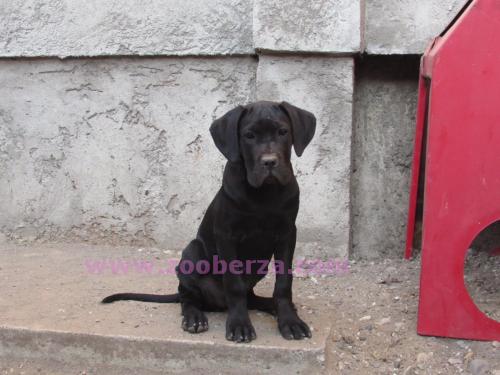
(459, 110)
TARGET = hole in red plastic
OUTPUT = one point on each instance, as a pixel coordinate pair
(482, 271)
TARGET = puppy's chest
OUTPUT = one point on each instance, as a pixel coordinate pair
(260, 229)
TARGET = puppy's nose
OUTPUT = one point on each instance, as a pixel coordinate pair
(269, 160)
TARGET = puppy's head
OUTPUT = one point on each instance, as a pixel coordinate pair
(261, 135)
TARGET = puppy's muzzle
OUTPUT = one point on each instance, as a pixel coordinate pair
(269, 161)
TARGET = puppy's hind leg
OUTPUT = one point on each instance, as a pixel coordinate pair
(190, 294)
(194, 319)
(264, 304)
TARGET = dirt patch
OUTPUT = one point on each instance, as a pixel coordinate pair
(482, 278)
(374, 311)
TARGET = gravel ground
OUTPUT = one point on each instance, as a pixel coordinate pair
(374, 331)
(482, 277)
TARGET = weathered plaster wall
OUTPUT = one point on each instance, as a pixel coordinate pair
(113, 150)
(125, 27)
(331, 26)
(118, 150)
(219, 27)
(406, 26)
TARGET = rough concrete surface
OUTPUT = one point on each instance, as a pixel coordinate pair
(331, 26)
(384, 129)
(113, 151)
(51, 322)
(406, 26)
(50, 312)
(218, 27)
(118, 150)
(126, 27)
(324, 86)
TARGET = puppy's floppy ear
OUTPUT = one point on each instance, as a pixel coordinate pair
(303, 126)
(224, 132)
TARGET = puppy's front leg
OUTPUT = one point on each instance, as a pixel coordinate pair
(289, 323)
(239, 328)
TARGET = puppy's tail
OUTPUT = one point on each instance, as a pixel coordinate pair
(169, 298)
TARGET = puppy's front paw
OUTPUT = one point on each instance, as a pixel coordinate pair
(240, 329)
(293, 328)
(195, 321)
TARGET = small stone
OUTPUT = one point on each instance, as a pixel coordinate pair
(365, 318)
(496, 344)
(383, 321)
(399, 326)
(479, 367)
(367, 327)
(397, 363)
(462, 344)
(362, 335)
(455, 361)
(395, 340)
(423, 358)
(468, 357)
(389, 276)
(348, 339)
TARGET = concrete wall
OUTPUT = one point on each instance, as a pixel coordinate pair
(331, 26)
(406, 26)
(64, 28)
(33, 28)
(384, 122)
(117, 149)
(113, 150)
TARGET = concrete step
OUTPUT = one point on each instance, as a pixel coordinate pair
(51, 320)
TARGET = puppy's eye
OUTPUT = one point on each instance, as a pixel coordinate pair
(283, 132)
(249, 135)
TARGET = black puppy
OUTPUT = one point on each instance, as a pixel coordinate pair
(251, 218)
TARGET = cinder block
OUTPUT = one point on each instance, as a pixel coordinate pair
(126, 27)
(324, 86)
(113, 150)
(406, 26)
(384, 128)
(331, 26)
